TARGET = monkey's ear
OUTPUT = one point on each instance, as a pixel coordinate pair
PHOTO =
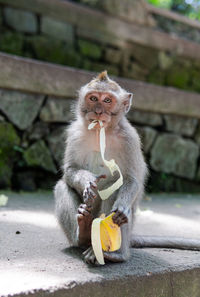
(128, 102)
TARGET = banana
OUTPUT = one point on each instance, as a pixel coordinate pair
(106, 236)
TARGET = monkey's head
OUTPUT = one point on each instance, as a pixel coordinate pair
(103, 99)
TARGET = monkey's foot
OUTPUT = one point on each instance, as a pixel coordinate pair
(89, 256)
(84, 218)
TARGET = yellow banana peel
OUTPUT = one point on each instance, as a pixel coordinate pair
(106, 236)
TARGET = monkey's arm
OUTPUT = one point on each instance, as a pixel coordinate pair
(134, 170)
(126, 195)
(78, 178)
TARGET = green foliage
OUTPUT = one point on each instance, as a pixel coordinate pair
(161, 3)
(190, 8)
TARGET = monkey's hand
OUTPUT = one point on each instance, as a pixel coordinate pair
(121, 216)
(89, 194)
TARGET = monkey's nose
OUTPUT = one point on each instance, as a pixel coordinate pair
(98, 111)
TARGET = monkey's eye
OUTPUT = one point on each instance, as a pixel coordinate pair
(93, 98)
(107, 100)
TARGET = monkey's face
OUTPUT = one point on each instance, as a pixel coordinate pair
(100, 106)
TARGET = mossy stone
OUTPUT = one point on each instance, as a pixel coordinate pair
(90, 49)
(11, 43)
(178, 76)
(1, 18)
(195, 80)
(8, 140)
(156, 77)
(162, 182)
(98, 67)
(38, 155)
(51, 50)
(136, 71)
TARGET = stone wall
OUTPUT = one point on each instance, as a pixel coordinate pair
(131, 43)
(32, 134)
(37, 35)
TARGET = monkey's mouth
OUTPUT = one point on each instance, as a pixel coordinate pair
(91, 120)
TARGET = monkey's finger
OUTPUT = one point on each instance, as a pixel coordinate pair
(122, 215)
(87, 256)
(92, 194)
(100, 177)
(83, 211)
(119, 218)
(86, 251)
(123, 221)
(116, 215)
(85, 206)
(88, 201)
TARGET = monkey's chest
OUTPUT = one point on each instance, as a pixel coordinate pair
(95, 165)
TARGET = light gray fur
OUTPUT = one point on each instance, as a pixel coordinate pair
(123, 145)
(82, 165)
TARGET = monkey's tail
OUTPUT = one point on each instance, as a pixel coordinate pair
(165, 242)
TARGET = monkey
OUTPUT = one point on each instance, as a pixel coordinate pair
(77, 202)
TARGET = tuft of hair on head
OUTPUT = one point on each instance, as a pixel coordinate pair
(103, 76)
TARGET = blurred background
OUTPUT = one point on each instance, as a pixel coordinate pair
(154, 46)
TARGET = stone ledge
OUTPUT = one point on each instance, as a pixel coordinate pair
(39, 77)
(35, 259)
(173, 16)
(104, 24)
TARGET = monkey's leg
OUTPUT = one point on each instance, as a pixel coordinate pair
(74, 217)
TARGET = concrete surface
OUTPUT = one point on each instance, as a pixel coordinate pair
(35, 260)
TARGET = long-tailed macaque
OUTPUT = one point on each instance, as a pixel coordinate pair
(77, 199)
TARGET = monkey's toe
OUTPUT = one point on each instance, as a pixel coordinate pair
(89, 256)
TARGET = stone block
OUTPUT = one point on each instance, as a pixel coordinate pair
(131, 10)
(1, 16)
(90, 49)
(146, 118)
(99, 67)
(148, 136)
(57, 29)
(136, 71)
(38, 131)
(145, 56)
(8, 140)
(165, 60)
(38, 155)
(2, 119)
(113, 56)
(57, 110)
(198, 175)
(21, 20)
(11, 43)
(197, 135)
(173, 154)
(25, 181)
(56, 142)
(20, 108)
(180, 125)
